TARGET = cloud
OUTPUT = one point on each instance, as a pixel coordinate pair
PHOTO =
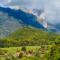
(53, 10)
(5, 1)
(51, 7)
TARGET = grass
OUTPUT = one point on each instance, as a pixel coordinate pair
(12, 50)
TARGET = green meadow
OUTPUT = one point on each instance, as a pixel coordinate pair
(45, 52)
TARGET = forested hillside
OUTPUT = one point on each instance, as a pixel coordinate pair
(28, 36)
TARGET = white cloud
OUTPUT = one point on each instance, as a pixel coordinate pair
(52, 7)
(15, 7)
(5, 1)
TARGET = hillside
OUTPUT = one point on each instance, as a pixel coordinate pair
(30, 37)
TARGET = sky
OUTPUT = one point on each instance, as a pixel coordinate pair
(51, 7)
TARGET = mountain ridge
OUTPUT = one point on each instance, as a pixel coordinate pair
(11, 19)
(19, 14)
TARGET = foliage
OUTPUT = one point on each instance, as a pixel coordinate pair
(30, 37)
(51, 53)
(23, 48)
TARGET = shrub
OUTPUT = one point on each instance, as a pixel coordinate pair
(2, 52)
(23, 48)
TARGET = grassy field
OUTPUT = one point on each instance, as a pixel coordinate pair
(41, 53)
(12, 50)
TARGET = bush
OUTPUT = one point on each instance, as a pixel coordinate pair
(2, 52)
(23, 48)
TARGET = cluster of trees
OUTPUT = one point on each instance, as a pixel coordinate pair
(30, 37)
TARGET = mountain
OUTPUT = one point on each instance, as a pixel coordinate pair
(11, 20)
(58, 26)
(8, 24)
(28, 19)
(37, 12)
(54, 27)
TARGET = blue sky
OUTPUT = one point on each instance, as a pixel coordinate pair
(51, 7)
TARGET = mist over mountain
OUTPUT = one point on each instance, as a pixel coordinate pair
(8, 24)
(54, 27)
